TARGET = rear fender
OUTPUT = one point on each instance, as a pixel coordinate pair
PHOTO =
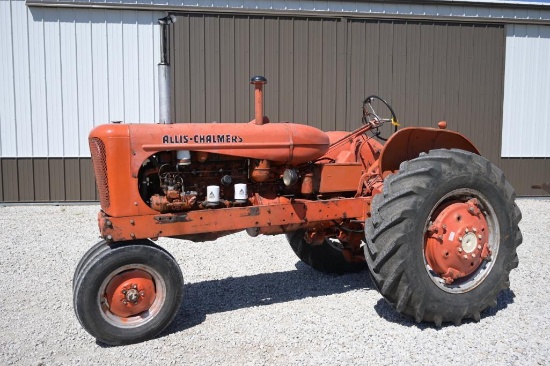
(408, 143)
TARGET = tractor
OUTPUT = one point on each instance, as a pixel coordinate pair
(434, 222)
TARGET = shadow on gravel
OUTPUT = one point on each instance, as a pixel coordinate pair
(387, 312)
(217, 296)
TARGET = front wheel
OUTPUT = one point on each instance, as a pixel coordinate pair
(442, 237)
(128, 293)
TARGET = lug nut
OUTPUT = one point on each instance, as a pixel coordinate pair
(134, 286)
(142, 293)
(473, 255)
(460, 238)
(125, 302)
(465, 256)
(474, 229)
(479, 247)
(124, 292)
(479, 236)
(466, 230)
(460, 250)
(444, 226)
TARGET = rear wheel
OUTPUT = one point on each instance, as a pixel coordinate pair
(128, 293)
(326, 257)
(442, 237)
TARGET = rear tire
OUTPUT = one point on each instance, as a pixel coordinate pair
(325, 257)
(102, 300)
(397, 232)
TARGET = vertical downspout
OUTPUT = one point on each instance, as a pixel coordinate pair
(165, 85)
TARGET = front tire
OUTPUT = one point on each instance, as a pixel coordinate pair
(128, 293)
(442, 237)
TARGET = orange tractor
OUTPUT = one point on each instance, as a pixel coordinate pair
(434, 222)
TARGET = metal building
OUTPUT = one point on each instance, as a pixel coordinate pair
(66, 66)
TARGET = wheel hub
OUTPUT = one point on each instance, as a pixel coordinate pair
(456, 240)
(130, 293)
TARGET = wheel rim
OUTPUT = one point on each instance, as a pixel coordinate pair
(131, 295)
(461, 241)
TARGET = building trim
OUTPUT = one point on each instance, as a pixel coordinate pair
(420, 16)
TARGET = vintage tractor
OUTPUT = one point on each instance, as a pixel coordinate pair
(434, 222)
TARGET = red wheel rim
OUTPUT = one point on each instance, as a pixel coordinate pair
(130, 293)
(461, 240)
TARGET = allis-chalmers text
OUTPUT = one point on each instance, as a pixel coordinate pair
(201, 139)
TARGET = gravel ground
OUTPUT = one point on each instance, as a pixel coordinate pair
(250, 301)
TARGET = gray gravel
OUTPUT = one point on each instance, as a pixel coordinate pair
(250, 301)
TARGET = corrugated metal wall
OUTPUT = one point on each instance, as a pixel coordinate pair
(319, 71)
(526, 120)
(64, 71)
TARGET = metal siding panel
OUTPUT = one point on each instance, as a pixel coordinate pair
(131, 66)
(57, 179)
(360, 75)
(197, 68)
(227, 69)
(385, 61)
(100, 75)
(328, 75)
(54, 84)
(10, 180)
(41, 173)
(341, 75)
(369, 43)
(271, 62)
(452, 106)
(300, 53)
(526, 74)
(495, 69)
(257, 46)
(84, 57)
(69, 73)
(25, 179)
(72, 179)
(314, 73)
(87, 180)
(510, 81)
(212, 64)
(38, 99)
(257, 56)
(464, 114)
(181, 70)
(115, 67)
(286, 64)
(426, 76)
(397, 98)
(438, 73)
(147, 67)
(22, 87)
(412, 74)
(242, 69)
(8, 127)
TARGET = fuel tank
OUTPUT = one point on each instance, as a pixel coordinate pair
(285, 143)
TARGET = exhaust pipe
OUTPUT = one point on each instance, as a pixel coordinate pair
(165, 85)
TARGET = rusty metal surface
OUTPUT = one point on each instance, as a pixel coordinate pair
(408, 143)
(300, 212)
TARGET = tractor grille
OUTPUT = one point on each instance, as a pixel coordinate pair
(97, 149)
